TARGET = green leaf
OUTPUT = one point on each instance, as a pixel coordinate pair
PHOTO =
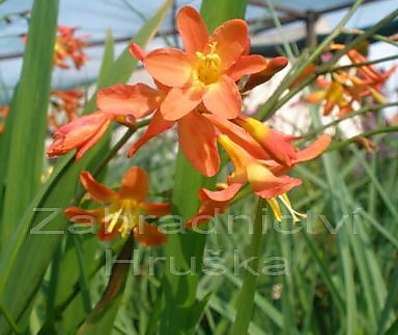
(107, 60)
(17, 291)
(29, 117)
(100, 320)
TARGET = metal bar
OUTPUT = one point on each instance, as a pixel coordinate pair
(280, 8)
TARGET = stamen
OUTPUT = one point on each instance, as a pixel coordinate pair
(297, 216)
(114, 219)
(273, 203)
(208, 65)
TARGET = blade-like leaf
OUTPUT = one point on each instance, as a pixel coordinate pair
(101, 319)
(16, 291)
(29, 117)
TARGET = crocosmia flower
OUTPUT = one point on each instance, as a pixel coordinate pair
(68, 46)
(67, 102)
(341, 89)
(80, 134)
(265, 176)
(249, 169)
(123, 212)
(207, 71)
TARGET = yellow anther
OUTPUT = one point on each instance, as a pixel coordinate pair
(208, 68)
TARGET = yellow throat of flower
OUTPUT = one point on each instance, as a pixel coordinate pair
(256, 128)
(208, 66)
(124, 214)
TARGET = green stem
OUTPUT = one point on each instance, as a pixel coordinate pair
(245, 302)
(349, 66)
(364, 110)
(112, 153)
(343, 144)
(270, 107)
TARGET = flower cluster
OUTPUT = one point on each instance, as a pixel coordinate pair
(68, 47)
(199, 90)
(343, 88)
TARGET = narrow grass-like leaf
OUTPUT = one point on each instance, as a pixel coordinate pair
(29, 121)
(101, 319)
(16, 291)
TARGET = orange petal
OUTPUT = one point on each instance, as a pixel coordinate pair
(266, 185)
(273, 142)
(137, 100)
(223, 195)
(156, 209)
(232, 40)
(212, 204)
(237, 134)
(286, 184)
(223, 98)
(192, 29)
(247, 65)
(179, 102)
(137, 52)
(149, 235)
(274, 65)
(81, 133)
(93, 140)
(170, 66)
(315, 97)
(135, 184)
(157, 126)
(81, 216)
(104, 235)
(97, 191)
(314, 149)
(197, 138)
(239, 157)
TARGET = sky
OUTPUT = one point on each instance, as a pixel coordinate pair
(94, 17)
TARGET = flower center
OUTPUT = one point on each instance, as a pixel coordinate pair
(208, 66)
(123, 215)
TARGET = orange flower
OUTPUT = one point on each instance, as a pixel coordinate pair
(265, 143)
(4, 110)
(124, 211)
(346, 87)
(80, 134)
(197, 136)
(66, 102)
(249, 169)
(368, 73)
(213, 203)
(68, 46)
(120, 103)
(266, 176)
(207, 70)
